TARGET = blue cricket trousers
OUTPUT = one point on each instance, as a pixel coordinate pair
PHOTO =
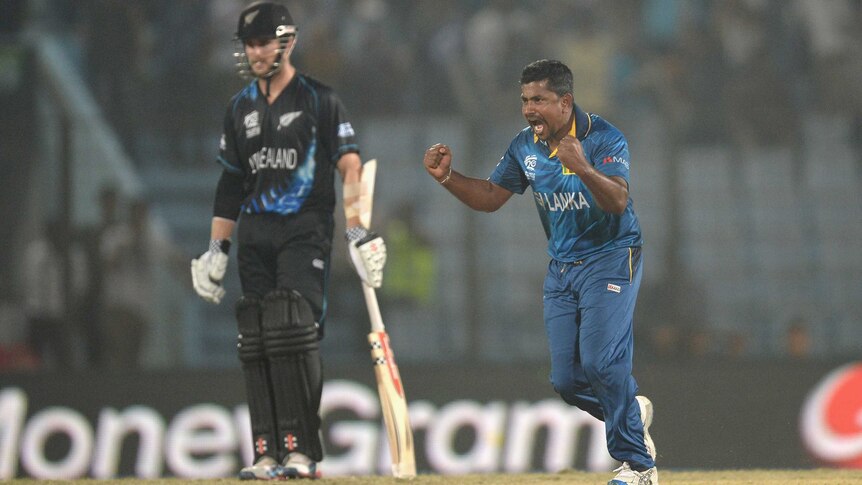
(588, 309)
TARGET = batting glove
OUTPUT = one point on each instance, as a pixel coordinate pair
(367, 255)
(208, 271)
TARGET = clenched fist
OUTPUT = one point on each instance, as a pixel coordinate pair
(571, 155)
(438, 161)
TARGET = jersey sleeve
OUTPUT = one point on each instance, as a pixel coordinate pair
(612, 157)
(228, 153)
(508, 173)
(338, 135)
(229, 196)
(230, 189)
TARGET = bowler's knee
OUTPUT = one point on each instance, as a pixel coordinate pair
(594, 370)
(566, 386)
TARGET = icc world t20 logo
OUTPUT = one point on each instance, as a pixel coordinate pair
(831, 421)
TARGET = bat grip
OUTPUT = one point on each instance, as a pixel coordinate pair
(373, 308)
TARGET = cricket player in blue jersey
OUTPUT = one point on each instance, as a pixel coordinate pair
(577, 165)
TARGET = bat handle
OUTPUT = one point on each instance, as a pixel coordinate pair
(373, 308)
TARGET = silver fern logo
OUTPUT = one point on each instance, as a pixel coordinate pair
(250, 17)
(286, 119)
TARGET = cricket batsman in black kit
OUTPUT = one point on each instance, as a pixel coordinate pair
(285, 135)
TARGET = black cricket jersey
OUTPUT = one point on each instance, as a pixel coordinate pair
(286, 152)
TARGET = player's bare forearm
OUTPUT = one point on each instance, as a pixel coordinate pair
(221, 228)
(477, 194)
(610, 193)
(350, 168)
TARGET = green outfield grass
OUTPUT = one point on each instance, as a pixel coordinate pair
(730, 477)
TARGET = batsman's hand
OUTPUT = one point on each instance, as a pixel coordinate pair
(438, 161)
(208, 271)
(367, 255)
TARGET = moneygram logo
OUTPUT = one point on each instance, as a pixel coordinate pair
(208, 440)
(831, 421)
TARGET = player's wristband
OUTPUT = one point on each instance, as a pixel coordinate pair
(355, 233)
(447, 177)
(220, 245)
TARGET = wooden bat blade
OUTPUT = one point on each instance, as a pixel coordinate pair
(394, 405)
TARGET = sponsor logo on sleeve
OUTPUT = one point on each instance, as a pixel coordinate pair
(619, 160)
(345, 130)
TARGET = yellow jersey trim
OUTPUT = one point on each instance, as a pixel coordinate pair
(574, 132)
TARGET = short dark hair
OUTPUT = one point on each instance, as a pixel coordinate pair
(559, 75)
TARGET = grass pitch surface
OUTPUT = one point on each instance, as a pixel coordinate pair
(730, 477)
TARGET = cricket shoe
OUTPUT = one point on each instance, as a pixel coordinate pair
(265, 468)
(297, 465)
(627, 476)
(646, 416)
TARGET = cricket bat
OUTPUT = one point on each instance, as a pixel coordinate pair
(389, 386)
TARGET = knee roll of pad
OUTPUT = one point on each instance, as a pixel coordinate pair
(288, 324)
(249, 341)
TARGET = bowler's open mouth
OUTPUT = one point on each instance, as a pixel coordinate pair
(538, 127)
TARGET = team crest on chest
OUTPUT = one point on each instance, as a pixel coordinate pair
(286, 119)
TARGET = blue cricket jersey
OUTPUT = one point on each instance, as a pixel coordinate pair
(575, 225)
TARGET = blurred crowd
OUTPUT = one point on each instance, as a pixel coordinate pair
(89, 291)
(732, 70)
